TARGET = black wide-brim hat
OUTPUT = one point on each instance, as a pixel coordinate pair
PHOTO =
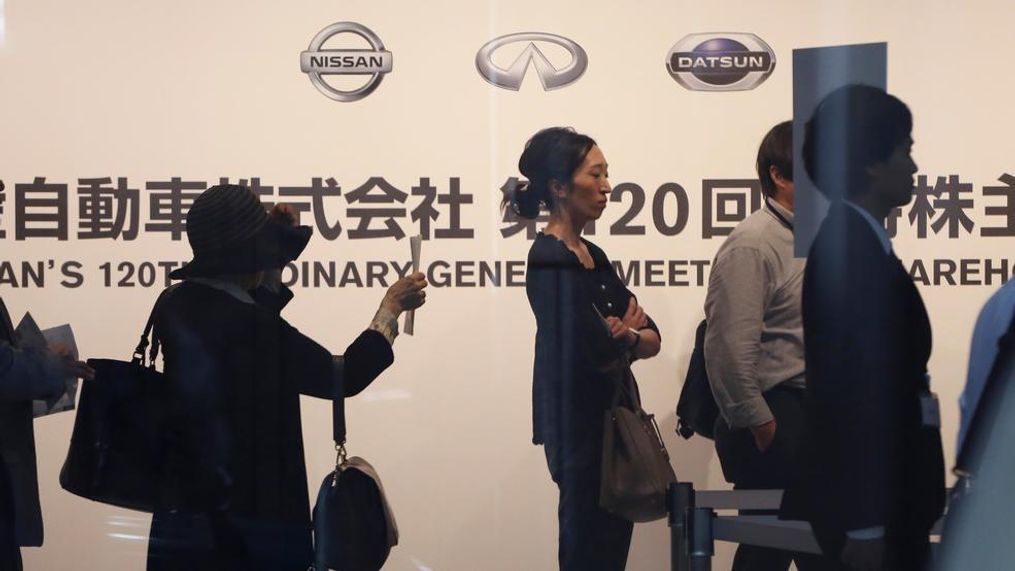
(231, 233)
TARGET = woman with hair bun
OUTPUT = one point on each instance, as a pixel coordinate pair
(586, 319)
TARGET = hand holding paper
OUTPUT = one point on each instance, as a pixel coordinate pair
(406, 294)
(60, 340)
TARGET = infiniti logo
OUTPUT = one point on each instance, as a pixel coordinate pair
(720, 62)
(550, 76)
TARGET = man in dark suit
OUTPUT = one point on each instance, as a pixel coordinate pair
(870, 477)
(25, 375)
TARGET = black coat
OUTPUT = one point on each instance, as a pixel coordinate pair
(24, 375)
(865, 460)
(234, 444)
(19, 484)
(570, 391)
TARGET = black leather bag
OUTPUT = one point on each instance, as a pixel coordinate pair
(696, 408)
(636, 470)
(112, 457)
(354, 528)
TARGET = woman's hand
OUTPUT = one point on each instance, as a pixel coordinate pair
(72, 367)
(635, 317)
(625, 328)
(633, 332)
(620, 331)
(405, 294)
(79, 370)
(284, 214)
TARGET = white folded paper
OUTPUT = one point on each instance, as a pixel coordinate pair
(415, 245)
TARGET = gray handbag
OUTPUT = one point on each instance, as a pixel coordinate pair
(636, 470)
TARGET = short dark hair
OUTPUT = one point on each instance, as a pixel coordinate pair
(551, 154)
(776, 150)
(853, 128)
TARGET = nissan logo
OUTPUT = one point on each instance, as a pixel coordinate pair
(317, 62)
(550, 76)
(720, 62)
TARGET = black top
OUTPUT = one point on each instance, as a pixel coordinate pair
(569, 389)
(236, 371)
(865, 458)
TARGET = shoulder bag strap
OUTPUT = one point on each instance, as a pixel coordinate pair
(338, 415)
(625, 387)
(139, 352)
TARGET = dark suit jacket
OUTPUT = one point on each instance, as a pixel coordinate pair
(234, 443)
(865, 460)
(25, 375)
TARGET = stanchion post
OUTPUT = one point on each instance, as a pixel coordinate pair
(681, 499)
(702, 547)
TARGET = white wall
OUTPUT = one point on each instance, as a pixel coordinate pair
(149, 90)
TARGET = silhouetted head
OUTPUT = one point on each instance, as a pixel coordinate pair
(775, 161)
(858, 141)
(565, 171)
(231, 234)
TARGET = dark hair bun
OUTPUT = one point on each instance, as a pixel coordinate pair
(551, 154)
(523, 202)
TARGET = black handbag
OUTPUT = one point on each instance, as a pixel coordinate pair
(636, 470)
(696, 408)
(354, 528)
(113, 456)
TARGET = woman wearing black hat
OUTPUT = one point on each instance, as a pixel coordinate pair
(234, 492)
(573, 291)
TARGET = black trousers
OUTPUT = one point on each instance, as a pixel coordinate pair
(904, 549)
(10, 553)
(591, 539)
(747, 468)
(182, 541)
